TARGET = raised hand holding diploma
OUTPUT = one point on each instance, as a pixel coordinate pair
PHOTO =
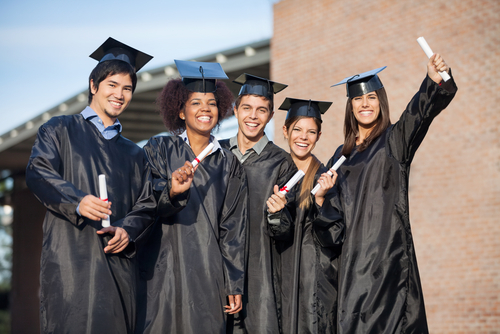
(292, 182)
(103, 194)
(183, 176)
(334, 168)
(277, 200)
(423, 44)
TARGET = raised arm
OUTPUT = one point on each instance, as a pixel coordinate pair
(433, 96)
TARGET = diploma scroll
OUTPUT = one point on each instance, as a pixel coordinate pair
(203, 154)
(334, 167)
(292, 182)
(103, 195)
(423, 44)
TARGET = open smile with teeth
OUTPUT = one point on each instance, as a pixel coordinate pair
(204, 119)
(302, 145)
(116, 104)
(252, 125)
(366, 112)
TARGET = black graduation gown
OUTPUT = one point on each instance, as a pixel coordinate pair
(309, 264)
(195, 258)
(379, 284)
(84, 290)
(272, 167)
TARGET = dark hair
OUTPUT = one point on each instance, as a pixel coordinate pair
(238, 101)
(108, 68)
(305, 197)
(173, 97)
(351, 124)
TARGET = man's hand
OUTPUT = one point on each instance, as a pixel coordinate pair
(276, 202)
(119, 242)
(94, 208)
(235, 304)
(182, 179)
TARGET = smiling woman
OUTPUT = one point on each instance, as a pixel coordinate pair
(309, 278)
(379, 285)
(193, 263)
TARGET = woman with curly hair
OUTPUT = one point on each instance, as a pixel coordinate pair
(192, 263)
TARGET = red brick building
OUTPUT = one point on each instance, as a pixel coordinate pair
(455, 178)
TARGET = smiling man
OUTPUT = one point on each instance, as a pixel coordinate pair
(87, 283)
(266, 165)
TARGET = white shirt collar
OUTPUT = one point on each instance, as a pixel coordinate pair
(212, 140)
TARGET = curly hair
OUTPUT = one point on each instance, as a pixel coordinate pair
(173, 97)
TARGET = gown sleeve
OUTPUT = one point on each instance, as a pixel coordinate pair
(156, 153)
(328, 222)
(43, 175)
(407, 134)
(233, 229)
(141, 217)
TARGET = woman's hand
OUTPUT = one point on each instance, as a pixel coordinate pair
(435, 65)
(235, 304)
(276, 202)
(182, 179)
(326, 181)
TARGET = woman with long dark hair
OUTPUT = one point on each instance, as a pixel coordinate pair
(193, 263)
(379, 284)
(308, 231)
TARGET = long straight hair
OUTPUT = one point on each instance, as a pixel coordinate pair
(351, 124)
(305, 197)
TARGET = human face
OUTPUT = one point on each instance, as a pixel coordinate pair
(366, 109)
(253, 114)
(112, 97)
(200, 113)
(302, 137)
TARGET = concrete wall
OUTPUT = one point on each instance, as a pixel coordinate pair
(455, 178)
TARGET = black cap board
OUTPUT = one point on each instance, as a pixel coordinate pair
(253, 85)
(309, 108)
(113, 49)
(200, 76)
(363, 83)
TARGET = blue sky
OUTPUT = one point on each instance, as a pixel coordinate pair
(44, 45)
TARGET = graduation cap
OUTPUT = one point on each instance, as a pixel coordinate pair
(253, 85)
(309, 108)
(113, 49)
(200, 76)
(361, 84)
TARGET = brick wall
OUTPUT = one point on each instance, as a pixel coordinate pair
(455, 178)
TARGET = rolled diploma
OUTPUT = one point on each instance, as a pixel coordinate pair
(334, 167)
(103, 195)
(292, 182)
(423, 44)
(203, 154)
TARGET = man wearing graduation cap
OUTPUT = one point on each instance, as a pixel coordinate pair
(87, 283)
(266, 165)
(379, 283)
